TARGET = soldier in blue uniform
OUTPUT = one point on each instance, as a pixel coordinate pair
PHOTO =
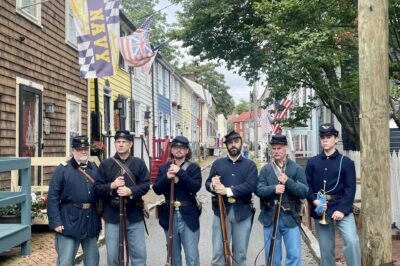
(187, 178)
(114, 183)
(234, 177)
(336, 173)
(71, 207)
(282, 177)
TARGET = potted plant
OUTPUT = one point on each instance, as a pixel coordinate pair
(97, 148)
(12, 213)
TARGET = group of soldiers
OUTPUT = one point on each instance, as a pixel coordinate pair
(78, 186)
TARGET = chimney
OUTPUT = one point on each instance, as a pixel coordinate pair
(190, 75)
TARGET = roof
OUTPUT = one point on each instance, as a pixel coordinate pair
(196, 87)
(244, 116)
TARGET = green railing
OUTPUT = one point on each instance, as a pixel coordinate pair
(15, 234)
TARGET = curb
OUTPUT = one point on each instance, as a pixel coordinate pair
(101, 241)
(311, 242)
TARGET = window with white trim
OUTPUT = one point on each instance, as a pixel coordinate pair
(136, 118)
(31, 9)
(70, 30)
(73, 119)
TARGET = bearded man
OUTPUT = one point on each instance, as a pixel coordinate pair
(235, 178)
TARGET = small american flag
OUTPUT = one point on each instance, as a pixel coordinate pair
(146, 24)
(281, 114)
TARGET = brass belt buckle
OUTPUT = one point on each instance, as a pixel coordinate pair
(177, 204)
(231, 200)
(85, 205)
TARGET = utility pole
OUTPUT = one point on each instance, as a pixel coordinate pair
(255, 88)
(376, 243)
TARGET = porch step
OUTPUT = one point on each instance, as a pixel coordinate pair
(12, 235)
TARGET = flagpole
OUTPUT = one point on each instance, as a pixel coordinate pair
(255, 88)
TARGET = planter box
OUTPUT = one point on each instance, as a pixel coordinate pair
(10, 219)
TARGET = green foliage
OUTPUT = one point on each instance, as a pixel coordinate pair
(208, 77)
(242, 106)
(297, 43)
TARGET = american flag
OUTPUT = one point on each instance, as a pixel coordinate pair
(276, 128)
(148, 65)
(146, 24)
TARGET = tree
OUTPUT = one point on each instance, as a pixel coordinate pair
(297, 43)
(374, 95)
(137, 11)
(209, 78)
(242, 106)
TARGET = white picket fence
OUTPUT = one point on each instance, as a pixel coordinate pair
(394, 179)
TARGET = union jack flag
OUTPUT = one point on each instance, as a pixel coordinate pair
(136, 49)
(276, 128)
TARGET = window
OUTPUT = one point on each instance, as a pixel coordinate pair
(136, 118)
(73, 120)
(70, 30)
(122, 64)
(31, 9)
(124, 113)
(160, 78)
(107, 113)
(166, 83)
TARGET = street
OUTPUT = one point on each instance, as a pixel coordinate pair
(156, 243)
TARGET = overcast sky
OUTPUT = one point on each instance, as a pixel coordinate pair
(238, 85)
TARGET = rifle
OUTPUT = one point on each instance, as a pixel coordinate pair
(277, 212)
(171, 223)
(123, 245)
(222, 214)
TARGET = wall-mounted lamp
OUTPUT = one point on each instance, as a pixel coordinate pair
(118, 104)
(49, 107)
(178, 126)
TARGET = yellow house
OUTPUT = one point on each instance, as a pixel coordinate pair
(186, 93)
(111, 99)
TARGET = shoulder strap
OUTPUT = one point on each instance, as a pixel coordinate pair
(87, 175)
(185, 165)
(126, 169)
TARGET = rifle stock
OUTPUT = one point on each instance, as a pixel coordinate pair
(222, 214)
(171, 223)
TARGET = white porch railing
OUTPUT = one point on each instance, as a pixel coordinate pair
(394, 181)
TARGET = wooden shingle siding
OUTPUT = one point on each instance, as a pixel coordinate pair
(43, 58)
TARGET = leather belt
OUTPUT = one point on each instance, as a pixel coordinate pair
(331, 197)
(82, 205)
(178, 203)
(232, 200)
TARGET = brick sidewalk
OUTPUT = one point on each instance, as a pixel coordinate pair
(42, 248)
(340, 260)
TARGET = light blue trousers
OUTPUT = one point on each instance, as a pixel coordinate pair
(238, 232)
(291, 238)
(136, 243)
(67, 248)
(183, 236)
(348, 232)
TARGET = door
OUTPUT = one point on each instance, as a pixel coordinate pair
(30, 127)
